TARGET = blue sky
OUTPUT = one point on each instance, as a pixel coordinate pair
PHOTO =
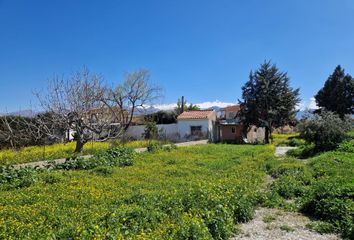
(203, 49)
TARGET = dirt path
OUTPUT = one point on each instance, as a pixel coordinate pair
(43, 164)
(275, 224)
(281, 151)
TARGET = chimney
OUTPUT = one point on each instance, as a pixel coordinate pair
(182, 109)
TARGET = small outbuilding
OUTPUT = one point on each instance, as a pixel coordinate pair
(231, 129)
(198, 124)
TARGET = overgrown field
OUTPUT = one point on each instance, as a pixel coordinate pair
(291, 139)
(197, 192)
(39, 153)
(321, 187)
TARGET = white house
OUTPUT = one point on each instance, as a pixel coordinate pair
(199, 124)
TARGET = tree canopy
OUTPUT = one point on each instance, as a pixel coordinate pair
(337, 94)
(268, 99)
(161, 117)
(326, 129)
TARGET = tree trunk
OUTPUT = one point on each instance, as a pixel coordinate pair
(266, 135)
(79, 146)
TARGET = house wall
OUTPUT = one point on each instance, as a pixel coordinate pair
(208, 128)
(256, 135)
(212, 134)
(170, 131)
(231, 111)
(226, 133)
(184, 127)
(229, 114)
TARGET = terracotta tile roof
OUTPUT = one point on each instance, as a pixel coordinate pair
(200, 114)
(233, 108)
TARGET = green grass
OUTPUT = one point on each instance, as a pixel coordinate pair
(197, 192)
(269, 218)
(286, 139)
(49, 152)
(322, 188)
(287, 228)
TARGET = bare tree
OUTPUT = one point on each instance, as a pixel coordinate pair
(7, 132)
(14, 131)
(132, 96)
(81, 103)
(76, 103)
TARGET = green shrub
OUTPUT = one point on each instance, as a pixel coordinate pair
(282, 139)
(170, 147)
(287, 169)
(295, 142)
(321, 227)
(347, 146)
(154, 147)
(119, 156)
(103, 170)
(51, 178)
(293, 168)
(17, 178)
(191, 227)
(288, 187)
(304, 151)
(151, 131)
(243, 208)
(272, 199)
(75, 163)
(331, 199)
(332, 164)
(326, 130)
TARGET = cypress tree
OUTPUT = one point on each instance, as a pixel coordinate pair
(337, 94)
(268, 99)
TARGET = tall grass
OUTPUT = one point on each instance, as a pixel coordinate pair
(55, 151)
(197, 192)
(282, 139)
(322, 187)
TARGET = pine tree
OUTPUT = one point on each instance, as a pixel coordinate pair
(337, 94)
(268, 100)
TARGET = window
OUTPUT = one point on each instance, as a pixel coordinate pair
(196, 130)
(233, 130)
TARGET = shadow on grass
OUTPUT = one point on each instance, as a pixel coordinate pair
(304, 151)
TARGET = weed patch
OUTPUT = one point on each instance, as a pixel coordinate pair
(163, 195)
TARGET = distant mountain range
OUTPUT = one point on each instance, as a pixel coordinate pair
(150, 110)
(300, 114)
(22, 113)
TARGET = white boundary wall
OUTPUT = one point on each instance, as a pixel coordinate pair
(170, 131)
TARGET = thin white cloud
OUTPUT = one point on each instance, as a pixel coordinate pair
(309, 104)
(215, 103)
(202, 105)
(313, 104)
(169, 106)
